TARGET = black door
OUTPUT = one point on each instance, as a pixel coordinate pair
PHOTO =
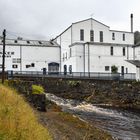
(122, 70)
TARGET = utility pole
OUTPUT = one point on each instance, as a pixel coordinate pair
(3, 57)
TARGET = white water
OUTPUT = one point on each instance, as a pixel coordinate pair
(121, 124)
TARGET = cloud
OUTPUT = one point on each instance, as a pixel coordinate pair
(45, 19)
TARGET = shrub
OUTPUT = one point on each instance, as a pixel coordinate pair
(114, 69)
(37, 89)
(17, 119)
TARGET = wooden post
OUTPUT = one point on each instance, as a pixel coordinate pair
(3, 57)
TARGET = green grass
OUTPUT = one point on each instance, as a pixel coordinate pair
(17, 119)
(36, 89)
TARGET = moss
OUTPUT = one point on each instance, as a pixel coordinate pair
(37, 89)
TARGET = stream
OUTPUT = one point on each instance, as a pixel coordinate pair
(121, 124)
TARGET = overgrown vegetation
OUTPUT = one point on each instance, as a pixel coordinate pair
(17, 119)
(74, 83)
(37, 89)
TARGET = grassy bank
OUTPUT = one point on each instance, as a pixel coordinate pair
(17, 119)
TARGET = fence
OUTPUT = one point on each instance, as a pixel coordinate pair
(78, 75)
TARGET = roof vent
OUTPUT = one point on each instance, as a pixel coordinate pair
(51, 43)
(28, 41)
(39, 42)
(16, 41)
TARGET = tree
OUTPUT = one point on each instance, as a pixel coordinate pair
(136, 37)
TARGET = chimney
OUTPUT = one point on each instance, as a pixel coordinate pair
(131, 23)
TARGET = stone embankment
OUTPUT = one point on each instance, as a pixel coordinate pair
(115, 93)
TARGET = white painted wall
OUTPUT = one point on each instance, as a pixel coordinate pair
(99, 54)
(99, 57)
(40, 56)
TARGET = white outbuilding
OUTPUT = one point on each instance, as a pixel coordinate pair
(31, 55)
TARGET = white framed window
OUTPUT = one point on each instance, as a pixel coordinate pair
(111, 50)
(123, 37)
(101, 36)
(123, 51)
(81, 34)
(14, 66)
(113, 36)
(91, 35)
(107, 68)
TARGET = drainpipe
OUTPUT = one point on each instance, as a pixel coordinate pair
(84, 57)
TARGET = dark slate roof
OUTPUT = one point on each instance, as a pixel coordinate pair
(134, 62)
(17, 42)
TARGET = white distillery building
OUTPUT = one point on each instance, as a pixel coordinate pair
(30, 55)
(90, 46)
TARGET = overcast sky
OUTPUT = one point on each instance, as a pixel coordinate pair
(45, 19)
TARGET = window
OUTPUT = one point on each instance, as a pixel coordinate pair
(28, 66)
(101, 36)
(32, 64)
(106, 68)
(111, 50)
(0, 66)
(81, 35)
(123, 51)
(70, 52)
(123, 37)
(14, 66)
(113, 36)
(91, 35)
(16, 60)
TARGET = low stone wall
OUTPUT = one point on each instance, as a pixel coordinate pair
(115, 93)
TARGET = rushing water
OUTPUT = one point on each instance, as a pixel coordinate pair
(121, 124)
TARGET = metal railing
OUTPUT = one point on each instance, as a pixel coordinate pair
(79, 75)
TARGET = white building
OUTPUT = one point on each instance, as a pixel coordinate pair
(31, 55)
(90, 46)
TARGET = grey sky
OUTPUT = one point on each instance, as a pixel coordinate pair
(44, 19)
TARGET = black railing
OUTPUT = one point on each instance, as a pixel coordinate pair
(81, 75)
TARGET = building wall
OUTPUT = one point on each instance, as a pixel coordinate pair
(40, 56)
(96, 57)
(99, 52)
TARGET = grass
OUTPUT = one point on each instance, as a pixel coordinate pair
(17, 119)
